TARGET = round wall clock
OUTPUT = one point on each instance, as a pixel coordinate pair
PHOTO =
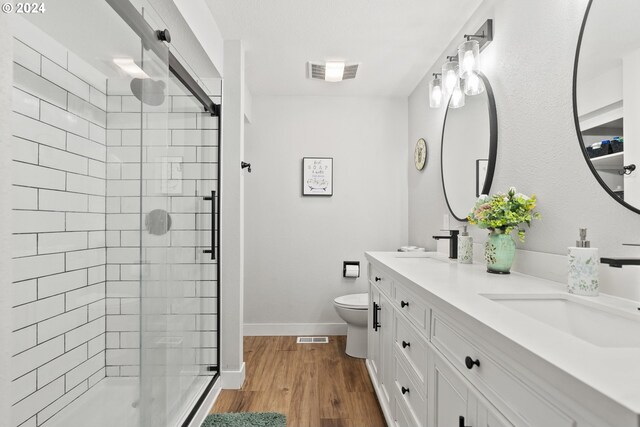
(420, 154)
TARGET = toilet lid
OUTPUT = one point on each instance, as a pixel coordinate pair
(353, 301)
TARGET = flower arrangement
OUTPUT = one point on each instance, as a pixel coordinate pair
(504, 212)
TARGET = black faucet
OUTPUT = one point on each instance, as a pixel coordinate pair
(453, 243)
(619, 262)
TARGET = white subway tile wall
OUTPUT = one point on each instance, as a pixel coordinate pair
(59, 313)
(78, 148)
(184, 154)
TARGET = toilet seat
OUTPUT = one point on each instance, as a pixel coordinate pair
(353, 301)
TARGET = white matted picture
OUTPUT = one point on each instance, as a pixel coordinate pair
(317, 176)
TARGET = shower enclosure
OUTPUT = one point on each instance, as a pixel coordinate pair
(115, 148)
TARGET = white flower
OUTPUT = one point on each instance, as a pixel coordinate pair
(512, 190)
(483, 197)
(520, 195)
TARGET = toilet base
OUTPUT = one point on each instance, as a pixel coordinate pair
(356, 341)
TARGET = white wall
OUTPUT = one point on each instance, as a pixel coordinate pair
(530, 66)
(232, 217)
(294, 245)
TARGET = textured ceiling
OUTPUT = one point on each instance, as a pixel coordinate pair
(396, 41)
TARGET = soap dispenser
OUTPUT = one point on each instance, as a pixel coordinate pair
(583, 267)
(465, 247)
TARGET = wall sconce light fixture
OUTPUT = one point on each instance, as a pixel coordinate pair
(459, 73)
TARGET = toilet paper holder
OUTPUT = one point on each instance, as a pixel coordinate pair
(348, 270)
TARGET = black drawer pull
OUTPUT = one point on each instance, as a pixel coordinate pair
(404, 304)
(405, 390)
(461, 422)
(469, 362)
(406, 344)
(378, 279)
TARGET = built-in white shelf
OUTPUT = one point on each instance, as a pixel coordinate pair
(601, 117)
(613, 161)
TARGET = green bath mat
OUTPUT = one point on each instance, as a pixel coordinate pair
(246, 419)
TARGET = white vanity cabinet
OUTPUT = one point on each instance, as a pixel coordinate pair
(456, 403)
(380, 345)
(429, 370)
(398, 350)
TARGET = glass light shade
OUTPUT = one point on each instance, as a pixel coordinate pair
(473, 84)
(435, 93)
(457, 97)
(469, 57)
(449, 77)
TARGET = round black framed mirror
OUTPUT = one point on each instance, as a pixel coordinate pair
(605, 93)
(468, 150)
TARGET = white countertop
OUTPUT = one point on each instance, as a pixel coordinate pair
(612, 375)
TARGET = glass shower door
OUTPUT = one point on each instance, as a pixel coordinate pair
(178, 299)
(155, 222)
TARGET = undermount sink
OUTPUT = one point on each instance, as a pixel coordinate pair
(595, 323)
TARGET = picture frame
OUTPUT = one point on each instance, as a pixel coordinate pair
(481, 174)
(317, 176)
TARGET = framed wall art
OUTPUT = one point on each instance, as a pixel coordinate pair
(317, 176)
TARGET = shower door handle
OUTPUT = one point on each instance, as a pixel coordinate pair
(212, 251)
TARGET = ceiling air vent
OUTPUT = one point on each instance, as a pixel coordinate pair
(318, 70)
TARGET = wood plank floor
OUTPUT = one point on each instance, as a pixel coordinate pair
(314, 385)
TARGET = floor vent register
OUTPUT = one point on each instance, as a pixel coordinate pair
(313, 340)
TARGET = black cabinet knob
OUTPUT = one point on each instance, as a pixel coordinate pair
(406, 344)
(405, 390)
(404, 304)
(461, 422)
(469, 362)
(378, 279)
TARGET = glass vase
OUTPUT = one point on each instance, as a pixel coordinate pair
(499, 251)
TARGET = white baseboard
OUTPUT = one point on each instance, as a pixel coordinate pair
(294, 329)
(232, 379)
(207, 404)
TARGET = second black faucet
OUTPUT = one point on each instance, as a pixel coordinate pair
(453, 243)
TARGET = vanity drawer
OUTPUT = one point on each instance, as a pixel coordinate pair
(493, 380)
(409, 396)
(380, 280)
(403, 417)
(412, 348)
(413, 308)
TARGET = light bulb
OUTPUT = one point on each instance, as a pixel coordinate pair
(450, 80)
(473, 85)
(435, 93)
(468, 63)
(436, 96)
(469, 57)
(449, 77)
(457, 98)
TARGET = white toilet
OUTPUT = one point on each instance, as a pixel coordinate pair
(353, 309)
